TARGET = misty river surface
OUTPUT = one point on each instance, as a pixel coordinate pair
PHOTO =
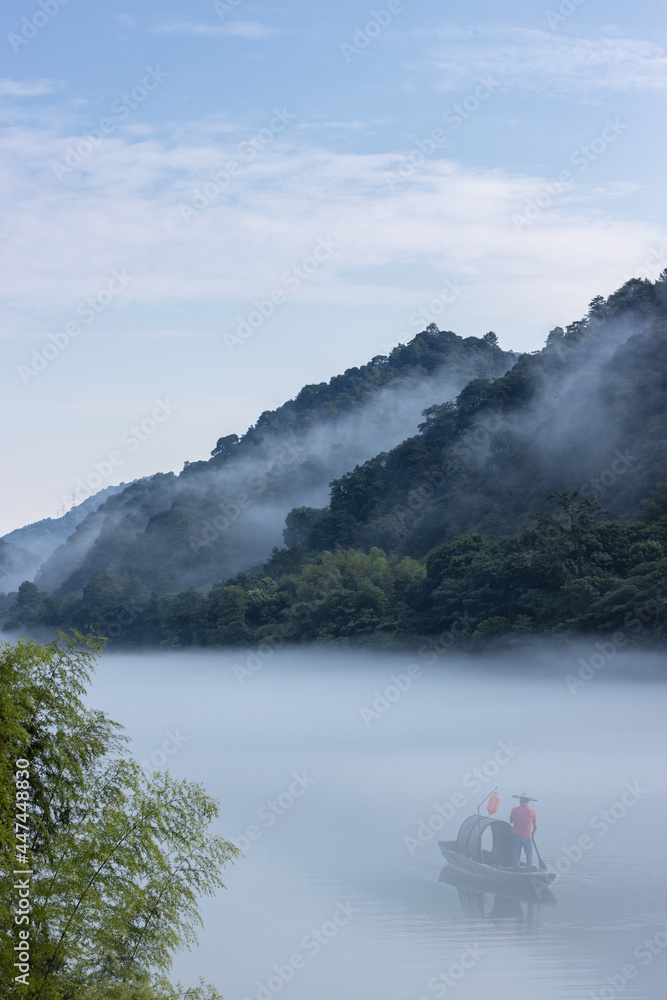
(340, 805)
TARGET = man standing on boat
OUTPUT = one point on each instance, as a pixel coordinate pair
(524, 825)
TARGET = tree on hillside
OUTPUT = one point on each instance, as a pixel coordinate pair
(114, 862)
(225, 446)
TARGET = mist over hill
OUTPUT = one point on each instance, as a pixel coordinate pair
(41, 538)
(16, 565)
(225, 515)
(23, 550)
(530, 499)
(586, 414)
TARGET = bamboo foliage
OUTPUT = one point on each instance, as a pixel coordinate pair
(119, 861)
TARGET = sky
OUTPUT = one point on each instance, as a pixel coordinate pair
(206, 206)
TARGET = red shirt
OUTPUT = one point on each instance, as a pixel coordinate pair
(523, 821)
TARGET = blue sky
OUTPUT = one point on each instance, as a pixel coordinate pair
(208, 205)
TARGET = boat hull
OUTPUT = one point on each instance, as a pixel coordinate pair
(471, 887)
(501, 877)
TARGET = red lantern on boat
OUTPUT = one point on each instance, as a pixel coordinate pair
(493, 804)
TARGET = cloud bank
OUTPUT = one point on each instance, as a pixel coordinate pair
(189, 229)
(551, 63)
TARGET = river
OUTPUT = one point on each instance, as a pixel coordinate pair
(338, 773)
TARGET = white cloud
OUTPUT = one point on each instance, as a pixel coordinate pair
(547, 62)
(120, 209)
(29, 88)
(239, 29)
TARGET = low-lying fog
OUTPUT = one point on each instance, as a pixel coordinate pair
(338, 773)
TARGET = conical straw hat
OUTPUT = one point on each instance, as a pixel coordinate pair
(525, 795)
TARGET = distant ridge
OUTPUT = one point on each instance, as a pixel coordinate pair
(529, 502)
(16, 565)
(224, 515)
(41, 538)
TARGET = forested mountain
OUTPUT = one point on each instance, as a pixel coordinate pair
(535, 502)
(16, 565)
(225, 515)
(585, 414)
(43, 537)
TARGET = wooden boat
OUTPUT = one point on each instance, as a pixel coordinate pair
(472, 887)
(466, 854)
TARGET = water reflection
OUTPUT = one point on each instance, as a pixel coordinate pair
(481, 899)
(474, 886)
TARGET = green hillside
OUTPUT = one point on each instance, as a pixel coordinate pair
(536, 503)
(226, 514)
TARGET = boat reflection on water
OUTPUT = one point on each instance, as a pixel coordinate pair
(482, 899)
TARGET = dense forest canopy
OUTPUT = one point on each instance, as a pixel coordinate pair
(533, 500)
(226, 514)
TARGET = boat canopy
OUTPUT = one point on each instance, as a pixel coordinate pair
(469, 840)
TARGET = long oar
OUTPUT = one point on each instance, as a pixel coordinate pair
(542, 864)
